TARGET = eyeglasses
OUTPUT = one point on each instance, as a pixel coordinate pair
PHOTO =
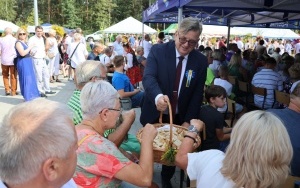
(113, 109)
(190, 42)
(94, 78)
(22, 34)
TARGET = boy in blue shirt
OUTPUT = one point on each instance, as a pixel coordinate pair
(122, 84)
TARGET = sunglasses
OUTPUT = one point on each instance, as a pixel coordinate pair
(22, 34)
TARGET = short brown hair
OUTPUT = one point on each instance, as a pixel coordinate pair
(118, 61)
(215, 91)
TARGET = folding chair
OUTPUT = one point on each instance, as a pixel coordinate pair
(126, 103)
(291, 182)
(230, 110)
(281, 97)
(259, 91)
(244, 93)
(232, 80)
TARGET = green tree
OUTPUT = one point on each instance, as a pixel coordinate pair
(30, 19)
(70, 18)
(7, 10)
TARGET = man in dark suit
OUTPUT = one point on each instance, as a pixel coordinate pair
(175, 72)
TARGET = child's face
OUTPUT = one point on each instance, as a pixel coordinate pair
(219, 102)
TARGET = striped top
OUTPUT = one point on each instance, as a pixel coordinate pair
(74, 105)
(269, 79)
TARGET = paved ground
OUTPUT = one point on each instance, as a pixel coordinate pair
(64, 91)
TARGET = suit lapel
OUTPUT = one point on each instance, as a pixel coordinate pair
(171, 64)
(189, 66)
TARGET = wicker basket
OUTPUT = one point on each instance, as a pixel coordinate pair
(157, 153)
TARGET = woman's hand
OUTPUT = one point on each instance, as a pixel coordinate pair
(149, 133)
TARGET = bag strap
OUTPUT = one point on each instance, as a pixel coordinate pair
(74, 50)
(84, 138)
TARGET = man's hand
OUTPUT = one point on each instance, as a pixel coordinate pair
(136, 91)
(162, 103)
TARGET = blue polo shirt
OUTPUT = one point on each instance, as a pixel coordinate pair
(121, 81)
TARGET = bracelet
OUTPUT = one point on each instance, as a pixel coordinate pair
(187, 136)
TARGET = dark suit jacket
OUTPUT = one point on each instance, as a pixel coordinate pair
(159, 77)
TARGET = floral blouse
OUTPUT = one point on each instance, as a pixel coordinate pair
(98, 160)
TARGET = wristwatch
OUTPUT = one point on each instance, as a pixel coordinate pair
(193, 129)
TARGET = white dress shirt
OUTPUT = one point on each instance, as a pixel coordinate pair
(39, 50)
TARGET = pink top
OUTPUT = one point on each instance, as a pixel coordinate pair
(7, 49)
(98, 160)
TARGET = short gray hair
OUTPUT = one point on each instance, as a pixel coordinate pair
(87, 70)
(190, 24)
(139, 49)
(96, 96)
(31, 133)
(217, 54)
(7, 30)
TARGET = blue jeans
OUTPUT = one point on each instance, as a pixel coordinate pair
(137, 99)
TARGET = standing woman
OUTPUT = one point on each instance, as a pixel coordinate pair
(77, 52)
(63, 54)
(25, 68)
(52, 52)
(132, 69)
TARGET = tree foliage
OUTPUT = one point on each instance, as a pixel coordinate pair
(90, 15)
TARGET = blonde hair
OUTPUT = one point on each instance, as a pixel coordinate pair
(52, 32)
(19, 31)
(76, 36)
(259, 152)
(236, 60)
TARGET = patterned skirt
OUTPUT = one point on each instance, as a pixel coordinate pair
(134, 74)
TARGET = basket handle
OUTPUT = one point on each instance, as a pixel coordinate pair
(171, 122)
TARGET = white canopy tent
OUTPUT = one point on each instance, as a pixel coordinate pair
(4, 24)
(267, 32)
(129, 25)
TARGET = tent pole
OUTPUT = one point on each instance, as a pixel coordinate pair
(179, 15)
(228, 33)
(36, 16)
(143, 35)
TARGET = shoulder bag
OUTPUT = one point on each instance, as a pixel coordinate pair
(70, 58)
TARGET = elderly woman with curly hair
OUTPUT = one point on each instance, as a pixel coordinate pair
(100, 163)
(258, 156)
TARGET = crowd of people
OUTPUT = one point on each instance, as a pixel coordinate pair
(91, 147)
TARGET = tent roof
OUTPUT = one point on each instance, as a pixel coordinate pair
(129, 25)
(252, 13)
(4, 24)
(215, 30)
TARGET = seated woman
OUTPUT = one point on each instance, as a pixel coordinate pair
(257, 156)
(122, 84)
(100, 163)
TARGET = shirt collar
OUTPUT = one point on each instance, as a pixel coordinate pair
(178, 54)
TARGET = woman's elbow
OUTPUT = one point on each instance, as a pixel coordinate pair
(146, 182)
